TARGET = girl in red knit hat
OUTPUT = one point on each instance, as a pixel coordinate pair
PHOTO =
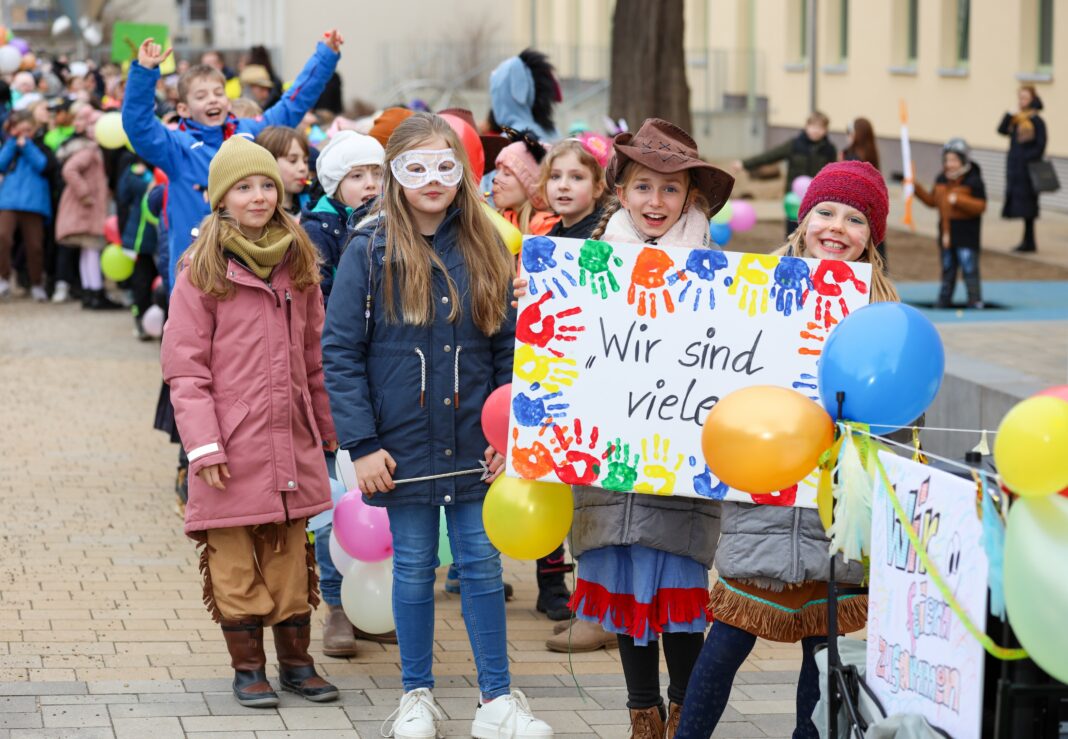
(772, 560)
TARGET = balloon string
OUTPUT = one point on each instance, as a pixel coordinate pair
(999, 652)
(908, 447)
(894, 427)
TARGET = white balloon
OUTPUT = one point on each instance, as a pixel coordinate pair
(78, 69)
(10, 59)
(345, 471)
(367, 596)
(152, 321)
(93, 35)
(60, 25)
(343, 562)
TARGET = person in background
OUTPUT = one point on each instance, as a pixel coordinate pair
(862, 146)
(1027, 143)
(25, 202)
(257, 85)
(805, 154)
(959, 195)
(515, 186)
(291, 151)
(139, 235)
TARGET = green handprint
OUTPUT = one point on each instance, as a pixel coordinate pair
(595, 266)
(622, 469)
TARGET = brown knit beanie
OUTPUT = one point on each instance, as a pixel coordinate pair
(237, 159)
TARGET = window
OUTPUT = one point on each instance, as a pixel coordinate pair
(912, 46)
(803, 25)
(843, 30)
(963, 24)
(1045, 35)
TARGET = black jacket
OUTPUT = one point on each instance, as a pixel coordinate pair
(582, 230)
(1021, 200)
(803, 157)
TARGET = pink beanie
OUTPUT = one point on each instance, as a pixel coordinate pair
(520, 162)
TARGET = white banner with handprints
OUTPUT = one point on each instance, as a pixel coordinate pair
(622, 349)
(920, 658)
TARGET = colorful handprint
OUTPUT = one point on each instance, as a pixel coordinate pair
(705, 483)
(595, 267)
(783, 498)
(552, 373)
(538, 411)
(538, 257)
(754, 277)
(622, 468)
(578, 467)
(659, 474)
(703, 265)
(827, 282)
(536, 329)
(792, 283)
(650, 273)
(530, 462)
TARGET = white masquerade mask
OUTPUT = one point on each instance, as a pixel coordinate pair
(419, 167)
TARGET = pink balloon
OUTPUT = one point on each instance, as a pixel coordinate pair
(495, 417)
(1057, 391)
(800, 185)
(743, 215)
(111, 230)
(361, 530)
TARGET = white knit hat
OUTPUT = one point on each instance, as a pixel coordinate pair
(347, 149)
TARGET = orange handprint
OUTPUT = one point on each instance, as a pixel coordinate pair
(827, 282)
(649, 272)
(530, 462)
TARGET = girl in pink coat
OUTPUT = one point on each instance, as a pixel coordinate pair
(241, 353)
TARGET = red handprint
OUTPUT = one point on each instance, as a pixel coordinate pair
(783, 498)
(532, 462)
(527, 326)
(827, 282)
(589, 464)
(649, 272)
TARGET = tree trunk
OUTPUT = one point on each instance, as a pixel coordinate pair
(649, 63)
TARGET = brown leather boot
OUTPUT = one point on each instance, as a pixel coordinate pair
(296, 668)
(244, 639)
(647, 723)
(583, 636)
(338, 639)
(674, 716)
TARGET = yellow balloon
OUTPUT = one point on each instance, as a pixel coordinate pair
(233, 88)
(1031, 449)
(526, 519)
(762, 439)
(1036, 591)
(109, 132)
(511, 235)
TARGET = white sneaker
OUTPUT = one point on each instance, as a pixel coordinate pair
(508, 717)
(62, 292)
(5, 289)
(417, 717)
(37, 292)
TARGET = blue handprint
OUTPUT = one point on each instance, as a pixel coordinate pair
(792, 283)
(807, 383)
(703, 483)
(703, 263)
(531, 411)
(538, 256)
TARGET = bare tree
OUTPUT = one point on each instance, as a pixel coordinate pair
(649, 63)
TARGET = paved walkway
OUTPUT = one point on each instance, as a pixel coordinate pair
(102, 633)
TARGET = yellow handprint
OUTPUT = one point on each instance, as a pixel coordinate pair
(754, 275)
(550, 372)
(657, 469)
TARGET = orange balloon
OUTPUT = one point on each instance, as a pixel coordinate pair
(764, 438)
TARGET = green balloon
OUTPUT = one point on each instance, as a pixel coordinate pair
(724, 214)
(791, 203)
(115, 264)
(1036, 590)
(444, 550)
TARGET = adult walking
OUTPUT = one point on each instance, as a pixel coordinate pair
(1027, 143)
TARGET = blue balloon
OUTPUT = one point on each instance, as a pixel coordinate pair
(888, 359)
(319, 520)
(720, 233)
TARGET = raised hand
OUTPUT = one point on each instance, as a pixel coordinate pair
(702, 264)
(150, 54)
(753, 276)
(595, 267)
(650, 273)
(332, 38)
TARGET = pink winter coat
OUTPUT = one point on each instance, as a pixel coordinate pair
(246, 381)
(83, 171)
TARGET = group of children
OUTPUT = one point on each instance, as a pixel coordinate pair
(379, 324)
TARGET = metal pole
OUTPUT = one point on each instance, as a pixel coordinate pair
(811, 42)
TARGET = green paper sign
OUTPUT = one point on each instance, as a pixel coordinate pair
(126, 37)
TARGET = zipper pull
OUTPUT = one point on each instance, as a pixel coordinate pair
(288, 298)
(277, 302)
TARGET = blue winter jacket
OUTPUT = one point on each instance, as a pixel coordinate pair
(185, 154)
(393, 386)
(140, 231)
(327, 227)
(25, 186)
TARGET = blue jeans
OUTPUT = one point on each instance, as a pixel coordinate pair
(415, 557)
(329, 577)
(966, 260)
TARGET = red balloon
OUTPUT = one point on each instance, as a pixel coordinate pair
(111, 230)
(1057, 391)
(495, 414)
(473, 144)
(157, 282)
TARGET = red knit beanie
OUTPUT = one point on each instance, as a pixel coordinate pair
(856, 184)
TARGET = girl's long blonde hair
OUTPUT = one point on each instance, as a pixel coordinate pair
(882, 289)
(206, 260)
(573, 146)
(409, 263)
